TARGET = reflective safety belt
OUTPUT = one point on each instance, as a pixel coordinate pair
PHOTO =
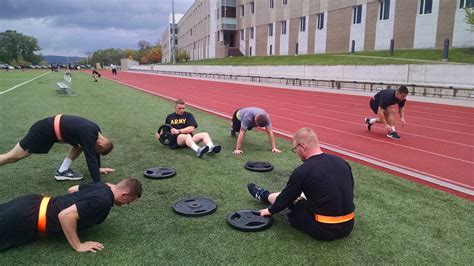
(57, 128)
(333, 219)
(42, 215)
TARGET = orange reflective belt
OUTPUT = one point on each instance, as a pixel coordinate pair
(333, 219)
(57, 128)
(42, 215)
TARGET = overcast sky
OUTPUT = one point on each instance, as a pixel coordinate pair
(75, 27)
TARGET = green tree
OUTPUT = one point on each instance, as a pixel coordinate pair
(470, 17)
(107, 56)
(182, 56)
(155, 54)
(14, 46)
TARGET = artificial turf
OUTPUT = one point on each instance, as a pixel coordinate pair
(397, 221)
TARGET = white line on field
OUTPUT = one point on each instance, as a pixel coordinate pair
(16, 86)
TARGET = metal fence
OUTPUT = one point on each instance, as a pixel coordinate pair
(458, 92)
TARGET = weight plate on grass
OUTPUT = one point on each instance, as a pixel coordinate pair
(249, 221)
(195, 206)
(165, 134)
(258, 166)
(159, 172)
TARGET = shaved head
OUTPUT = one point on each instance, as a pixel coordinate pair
(307, 137)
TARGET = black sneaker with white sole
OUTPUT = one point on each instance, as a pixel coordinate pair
(367, 122)
(258, 193)
(393, 135)
(69, 174)
(214, 149)
(201, 151)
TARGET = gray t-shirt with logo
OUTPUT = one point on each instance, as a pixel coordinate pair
(247, 117)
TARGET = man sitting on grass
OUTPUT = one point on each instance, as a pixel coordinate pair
(183, 125)
(319, 193)
(24, 219)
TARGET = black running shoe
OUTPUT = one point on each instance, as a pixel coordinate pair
(258, 193)
(69, 174)
(214, 149)
(367, 122)
(393, 135)
(201, 151)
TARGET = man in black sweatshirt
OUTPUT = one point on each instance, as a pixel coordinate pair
(319, 193)
(84, 136)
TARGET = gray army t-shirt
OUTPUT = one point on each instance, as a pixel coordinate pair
(247, 117)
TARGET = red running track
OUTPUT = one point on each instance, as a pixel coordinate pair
(437, 142)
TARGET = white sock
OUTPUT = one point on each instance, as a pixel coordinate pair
(194, 147)
(65, 165)
(392, 128)
(372, 120)
(210, 144)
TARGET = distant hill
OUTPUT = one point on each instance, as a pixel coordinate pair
(55, 59)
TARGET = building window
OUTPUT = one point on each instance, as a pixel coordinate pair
(426, 6)
(271, 49)
(250, 50)
(284, 2)
(191, 32)
(241, 35)
(302, 24)
(384, 9)
(466, 3)
(270, 3)
(357, 19)
(252, 8)
(283, 27)
(251, 33)
(320, 21)
(242, 10)
(217, 13)
(270, 29)
(297, 48)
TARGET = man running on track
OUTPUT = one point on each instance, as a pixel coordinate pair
(383, 105)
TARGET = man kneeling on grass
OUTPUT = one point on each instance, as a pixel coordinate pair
(319, 192)
(24, 219)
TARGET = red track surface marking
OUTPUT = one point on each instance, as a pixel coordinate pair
(437, 143)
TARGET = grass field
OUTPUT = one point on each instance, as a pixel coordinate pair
(398, 222)
(412, 56)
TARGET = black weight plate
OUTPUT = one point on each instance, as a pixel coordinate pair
(249, 221)
(258, 166)
(159, 172)
(165, 133)
(195, 206)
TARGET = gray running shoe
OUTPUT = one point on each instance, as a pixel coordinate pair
(69, 174)
(201, 151)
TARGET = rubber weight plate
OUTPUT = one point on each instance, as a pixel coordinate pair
(159, 172)
(195, 206)
(258, 166)
(249, 221)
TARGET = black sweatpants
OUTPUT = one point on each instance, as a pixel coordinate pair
(19, 221)
(302, 218)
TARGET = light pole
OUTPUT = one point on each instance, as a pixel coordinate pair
(173, 45)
